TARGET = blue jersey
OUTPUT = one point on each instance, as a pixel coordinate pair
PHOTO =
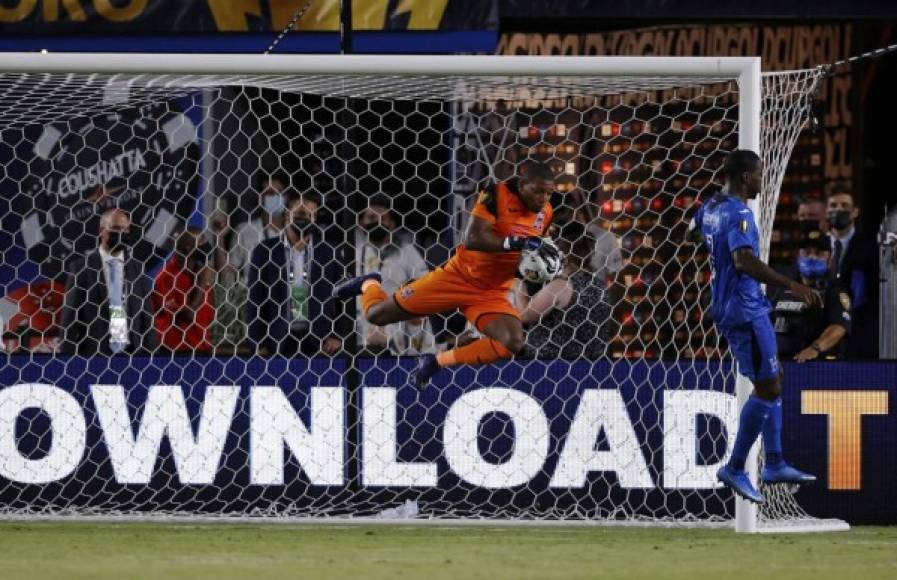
(728, 224)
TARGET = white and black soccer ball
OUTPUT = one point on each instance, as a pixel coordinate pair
(542, 264)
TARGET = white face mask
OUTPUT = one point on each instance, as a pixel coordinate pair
(274, 204)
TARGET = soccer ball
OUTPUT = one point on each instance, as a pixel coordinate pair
(542, 264)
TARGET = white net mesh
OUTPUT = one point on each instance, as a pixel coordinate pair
(787, 107)
(234, 386)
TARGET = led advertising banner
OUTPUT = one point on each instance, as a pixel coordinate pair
(234, 433)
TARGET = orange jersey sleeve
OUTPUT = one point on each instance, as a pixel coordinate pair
(502, 207)
(484, 207)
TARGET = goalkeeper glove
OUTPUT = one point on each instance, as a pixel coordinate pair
(549, 251)
(518, 243)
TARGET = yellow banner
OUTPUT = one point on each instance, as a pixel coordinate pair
(190, 16)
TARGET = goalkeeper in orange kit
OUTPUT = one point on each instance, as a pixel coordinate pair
(509, 216)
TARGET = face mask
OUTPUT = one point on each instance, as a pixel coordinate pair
(117, 241)
(377, 233)
(807, 226)
(300, 225)
(840, 219)
(812, 267)
(274, 204)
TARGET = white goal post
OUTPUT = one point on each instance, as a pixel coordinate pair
(43, 89)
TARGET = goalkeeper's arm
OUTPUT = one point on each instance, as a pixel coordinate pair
(480, 237)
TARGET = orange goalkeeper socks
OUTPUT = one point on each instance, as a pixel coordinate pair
(478, 352)
(371, 293)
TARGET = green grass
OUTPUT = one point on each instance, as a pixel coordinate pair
(254, 552)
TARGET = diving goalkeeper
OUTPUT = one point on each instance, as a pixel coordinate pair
(509, 216)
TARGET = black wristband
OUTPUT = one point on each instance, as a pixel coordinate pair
(513, 244)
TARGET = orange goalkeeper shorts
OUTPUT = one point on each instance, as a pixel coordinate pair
(442, 290)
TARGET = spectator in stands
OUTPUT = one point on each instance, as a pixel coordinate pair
(811, 215)
(380, 248)
(266, 221)
(107, 299)
(288, 309)
(182, 296)
(803, 332)
(566, 318)
(607, 257)
(855, 267)
(228, 330)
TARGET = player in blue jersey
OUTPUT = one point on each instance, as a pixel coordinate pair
(741, 313)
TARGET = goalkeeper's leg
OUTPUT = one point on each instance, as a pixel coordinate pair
(379, 308)
(436, 291)
(504, 338)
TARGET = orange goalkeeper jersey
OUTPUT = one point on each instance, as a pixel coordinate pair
(500, 205)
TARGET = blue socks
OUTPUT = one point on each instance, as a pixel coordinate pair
(772, 435)
(753, 416)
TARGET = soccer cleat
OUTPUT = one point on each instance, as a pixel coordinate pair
(352, 287)
(740, 483)
(424, 370)
(784, 473)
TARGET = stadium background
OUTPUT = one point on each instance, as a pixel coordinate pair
(854, 143)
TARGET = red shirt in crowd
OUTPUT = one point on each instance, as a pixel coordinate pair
(182, 328)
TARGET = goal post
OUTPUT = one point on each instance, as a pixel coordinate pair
(179, 140)
(750, 102)
(365, 65)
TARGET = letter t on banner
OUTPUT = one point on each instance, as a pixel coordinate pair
(845, 410)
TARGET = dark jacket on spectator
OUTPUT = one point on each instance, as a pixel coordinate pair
(859, 276)
(85, 316)
(268, 314)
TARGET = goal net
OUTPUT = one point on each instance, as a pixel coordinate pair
(207, 373)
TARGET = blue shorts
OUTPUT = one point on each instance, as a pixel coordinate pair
(754, 347)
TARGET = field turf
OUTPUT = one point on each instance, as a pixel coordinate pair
(253, 552)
